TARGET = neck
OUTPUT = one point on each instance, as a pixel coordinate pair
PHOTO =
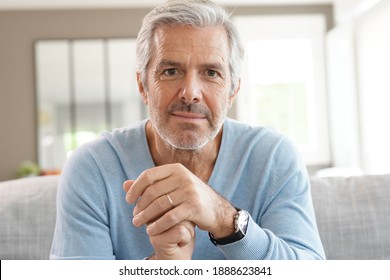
(200, 162)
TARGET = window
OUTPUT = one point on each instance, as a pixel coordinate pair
(283, 82)
(83, 88)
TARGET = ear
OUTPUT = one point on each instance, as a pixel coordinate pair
(141, 89)
(233, 96)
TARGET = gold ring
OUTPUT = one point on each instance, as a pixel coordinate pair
(170, 200)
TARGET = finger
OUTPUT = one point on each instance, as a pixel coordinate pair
(154, 191)
(181, 235)
(170, 219)
(127, 185)
(187, 238)
(153, 211)
(147, 178)
(186, 234)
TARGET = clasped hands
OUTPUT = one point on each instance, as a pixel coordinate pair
(171, 201)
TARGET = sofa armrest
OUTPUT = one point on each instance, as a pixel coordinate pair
(27, 217)
(353, 216)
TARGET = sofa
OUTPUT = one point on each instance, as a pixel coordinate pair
(353, 216)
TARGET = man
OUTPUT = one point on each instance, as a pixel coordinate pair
(195, 184)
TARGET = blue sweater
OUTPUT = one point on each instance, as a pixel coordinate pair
(257, 170)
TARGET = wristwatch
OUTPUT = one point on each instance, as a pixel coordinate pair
(241, 220)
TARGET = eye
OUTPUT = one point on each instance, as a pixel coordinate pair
(170, 72)
(211, 73)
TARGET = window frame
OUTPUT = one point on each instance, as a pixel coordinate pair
(272, 27)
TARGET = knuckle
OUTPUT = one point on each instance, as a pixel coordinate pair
(193, 199)
(191, 194)
(190, 208)
(181, 229)
(150, 192)
(160, 204)
(186, 227)
(173, 218)
(147, 175)
(178, 165)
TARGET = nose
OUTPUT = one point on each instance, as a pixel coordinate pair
(192, 89)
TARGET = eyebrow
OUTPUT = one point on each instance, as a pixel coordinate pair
(217, 66)
(172, 63)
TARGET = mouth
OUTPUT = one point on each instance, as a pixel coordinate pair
(189, 116)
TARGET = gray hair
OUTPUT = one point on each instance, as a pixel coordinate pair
(197, 13)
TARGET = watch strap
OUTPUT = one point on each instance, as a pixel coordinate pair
(237, 235)
(228, 239)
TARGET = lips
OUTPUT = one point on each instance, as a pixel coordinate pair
(189, 112)
(188, 115)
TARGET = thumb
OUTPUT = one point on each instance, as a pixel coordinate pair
(188, 234)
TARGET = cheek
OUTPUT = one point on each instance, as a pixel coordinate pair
(163, 92)
(217, 105)
(157, 99)
(154, 92)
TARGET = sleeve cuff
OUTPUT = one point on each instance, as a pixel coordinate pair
(253, 246)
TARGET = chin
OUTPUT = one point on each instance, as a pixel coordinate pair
(186, 136)
(179, 144)
(193, 148)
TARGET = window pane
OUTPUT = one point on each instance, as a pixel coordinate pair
(283, 82)
(89, 85)
(126, 103)
(83, 88)
(52, 78)
(280, 76)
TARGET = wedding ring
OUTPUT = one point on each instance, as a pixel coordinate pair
(170, 200)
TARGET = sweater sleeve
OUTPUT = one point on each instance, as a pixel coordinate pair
(82, 225)
(286, 228)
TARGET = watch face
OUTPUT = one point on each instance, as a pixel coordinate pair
(242, 221)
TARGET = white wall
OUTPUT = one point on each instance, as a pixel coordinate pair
(342, 98)
(358, 50)
(373, 57)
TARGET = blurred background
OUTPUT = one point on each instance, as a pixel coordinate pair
(316, 70)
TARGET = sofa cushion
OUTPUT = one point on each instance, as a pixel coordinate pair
(353, 216)
(27, 217)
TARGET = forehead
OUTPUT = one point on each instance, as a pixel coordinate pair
(206, 43)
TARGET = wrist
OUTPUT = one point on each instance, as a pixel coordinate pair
(241, 220)
(226, 226)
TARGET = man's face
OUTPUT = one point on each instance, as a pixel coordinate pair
(188, 85)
